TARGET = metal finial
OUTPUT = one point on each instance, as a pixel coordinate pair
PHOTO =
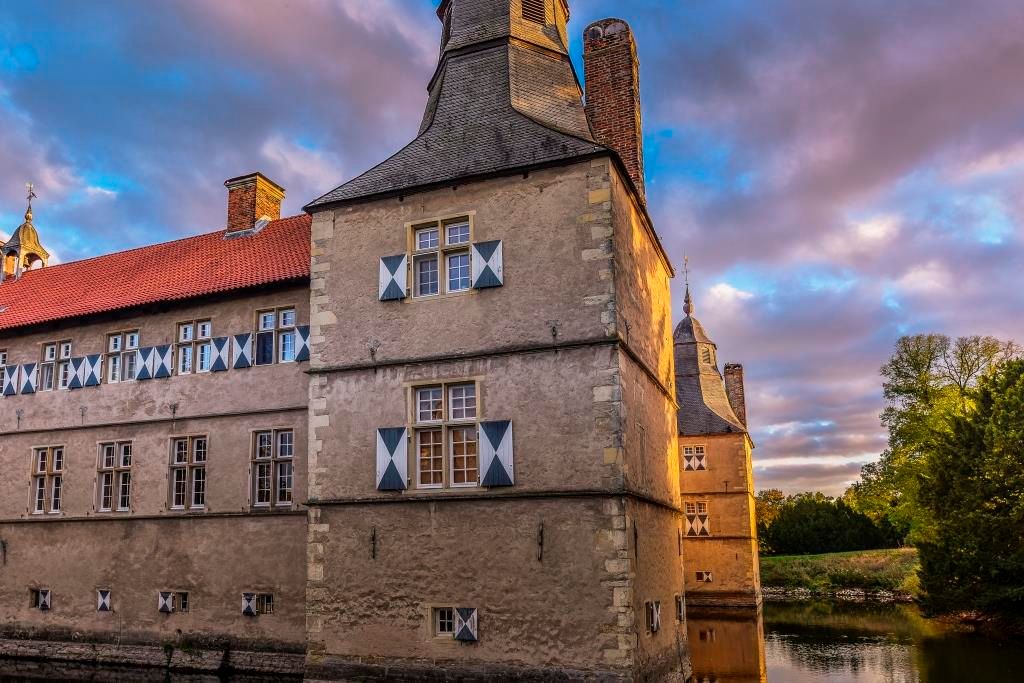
(31, 195)
(687, 301)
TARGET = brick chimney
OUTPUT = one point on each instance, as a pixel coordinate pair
(612, 77)
(734, 390)
(251, 198)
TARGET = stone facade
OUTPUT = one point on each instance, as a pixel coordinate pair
(488, 473)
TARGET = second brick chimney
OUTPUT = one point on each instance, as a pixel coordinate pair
(252, 198)
(612, 76)
(734, 390)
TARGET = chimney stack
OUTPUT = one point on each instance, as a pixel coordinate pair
(612, 78)
(252, 198)
(734, 390)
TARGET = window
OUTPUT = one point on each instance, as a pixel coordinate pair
(264, 603)
(444, 621)
(704, 577)
(3, 357)
(446, 435)
(39, 598)
(694, 458)
(698, 508)
(174, 601)
(188, 472)
(114, 483)
(436, 246)
(275, 336)
(47, 479)
(533, 10)
(194, 348)
(121, 356)
(52, 373)
(680, 608)
(653, 610)
(272, 468)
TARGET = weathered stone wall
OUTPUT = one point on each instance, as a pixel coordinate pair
(540, 605)
(730, 553)
(216, 554)
(214, 558)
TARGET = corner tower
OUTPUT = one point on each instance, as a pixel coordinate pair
(717, 484)
(494, 475)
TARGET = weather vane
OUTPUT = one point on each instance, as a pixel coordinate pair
(31, 192)
(686, 268)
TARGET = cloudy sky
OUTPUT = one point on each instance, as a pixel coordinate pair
(840, 173)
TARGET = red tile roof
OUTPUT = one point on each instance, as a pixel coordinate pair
(186, 268)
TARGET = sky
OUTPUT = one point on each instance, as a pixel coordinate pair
(839, 173)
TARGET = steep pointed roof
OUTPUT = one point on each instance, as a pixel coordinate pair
(504, 97)
(700, 390)
(25, 238)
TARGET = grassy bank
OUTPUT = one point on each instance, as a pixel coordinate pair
(869, 570)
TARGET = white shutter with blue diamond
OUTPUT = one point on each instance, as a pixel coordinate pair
(93, 370)
(76, 378)
(392, 458)
(44, 599)
(698, 525)
(466, 624)
(496, 454)
(144, 358)
(249, 604)
(220, 351)
(163, 361)
(165, 601)
(302, 343)
(29, 373)
(102, 601)
(392, 281)
(10, 380)
(242, 345)
(487, 265)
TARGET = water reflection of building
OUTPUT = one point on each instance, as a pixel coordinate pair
(726, 645)
(717, 483)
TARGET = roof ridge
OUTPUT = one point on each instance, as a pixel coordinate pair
(149, 246)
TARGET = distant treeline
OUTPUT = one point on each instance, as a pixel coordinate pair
(812, 523)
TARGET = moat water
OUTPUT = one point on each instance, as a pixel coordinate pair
(844, 642)
(800, 642)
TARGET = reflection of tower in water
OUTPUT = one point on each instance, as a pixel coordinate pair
(726, 646)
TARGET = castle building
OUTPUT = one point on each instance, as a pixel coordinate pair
(432, 427)
(717, 483)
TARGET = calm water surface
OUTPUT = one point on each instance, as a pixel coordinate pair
(806, 642)
(837, 642)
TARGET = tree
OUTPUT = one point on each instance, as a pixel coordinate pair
(973, 489)
(928, 380)
(768, 503)
(815, 523)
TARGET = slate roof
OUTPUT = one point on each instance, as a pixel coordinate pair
(183, 269)
(700, 391)
(493, 107)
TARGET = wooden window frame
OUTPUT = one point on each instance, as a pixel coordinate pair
(277, 333)
(3, 358)
(122, 354)
(50, 476)
(190, 467)
(441, 253)
(447, 427)
(276, 461)
(264, 603)
(117, 473)
(193, 344)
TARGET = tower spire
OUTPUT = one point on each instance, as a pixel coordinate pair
(687, 301)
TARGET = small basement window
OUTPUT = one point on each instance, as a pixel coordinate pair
(265, 603)
(704, 577)
(444, 621)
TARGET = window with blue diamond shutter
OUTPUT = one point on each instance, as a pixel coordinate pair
(392, 282)
(487, 265)
(249, 604)
(392, 458)
(162, 361)
(496, 454)
(10, 380)
(242, 344)
(302, 343)
(28, 378)
(220, 351)
(466, 624)
(144, 363)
